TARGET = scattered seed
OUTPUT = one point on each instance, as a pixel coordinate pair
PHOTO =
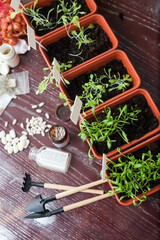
(34, 106)
(47, 115)
(38, 110)
(15, 97)
(47, 130)
(14, 121)
(27, 120)
(37, 92)
(24, 133)
(12, 133)
(4, 140)
(6, 124)
(8, 137)
(2, 134)
(41, 104)
(22, 125)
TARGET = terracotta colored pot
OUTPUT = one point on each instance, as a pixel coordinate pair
(42, 3)
(123, 99)
(100, 62)
(93, 19)
(132, 150)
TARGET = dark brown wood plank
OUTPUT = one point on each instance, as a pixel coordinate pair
(138, 35)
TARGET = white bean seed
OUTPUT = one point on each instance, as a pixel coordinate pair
(27, 120)
(37, 92)
(12, 133)
(47, 115)
(38, 110)
(15, 148)
(24, 133)
(22, 125)
(8, 137)
(34, 106)
(14, 121)
(4, 140)
(6, 124)
(41, 104)
(10, 149)
(2, 134)
(27, 143)
(20, 146)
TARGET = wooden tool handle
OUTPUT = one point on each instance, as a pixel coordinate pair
(85, 202)
(65, 187)
(80, 188)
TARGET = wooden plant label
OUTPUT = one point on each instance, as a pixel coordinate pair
(76, 110)
(56, 71)
(104, 167)
(15, 4)
(31, 37)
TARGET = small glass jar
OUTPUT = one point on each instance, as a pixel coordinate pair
(9, 55)
(59, 136)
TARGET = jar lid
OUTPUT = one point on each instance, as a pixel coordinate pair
(63, 112)
(57, 133)
(6, 51)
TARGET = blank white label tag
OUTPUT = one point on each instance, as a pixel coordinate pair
(31, 37)
(15, 4)
(76, 110)
(104, 167)
(56, 71)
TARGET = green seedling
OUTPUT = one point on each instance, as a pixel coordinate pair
(65, 12)
(103, 131)
(80, 35)
(131, 176)
(68, 11)
(40, 20)
(93, 90)
(98, 85)
(49, 79)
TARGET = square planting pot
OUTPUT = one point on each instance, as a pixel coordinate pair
(122, 100)
(93, 19)
(43, 3)
(133, 150)
(98, 63)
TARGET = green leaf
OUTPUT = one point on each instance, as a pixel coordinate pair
(63, 96)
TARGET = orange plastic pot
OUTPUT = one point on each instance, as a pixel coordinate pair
(123, 99)
(93, 19)
(42, 3)
(100, 62)
(132, 150)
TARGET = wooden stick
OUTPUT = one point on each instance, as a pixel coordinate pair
(65, 187)
(85, 202)
(80, 188)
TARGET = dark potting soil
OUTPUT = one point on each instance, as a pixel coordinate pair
(155, 149)
(75, 86)
(53, 15)
(146, 123)
(62, 49)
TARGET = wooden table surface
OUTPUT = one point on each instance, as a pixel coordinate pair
(136, 25)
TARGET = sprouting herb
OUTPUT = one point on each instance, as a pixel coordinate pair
(95, 87)
(116, 82)
(66, 10)
(93, 90)
(40, 20)
(50, 78)
(131, 176)
(80, 35)
(103, 131)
